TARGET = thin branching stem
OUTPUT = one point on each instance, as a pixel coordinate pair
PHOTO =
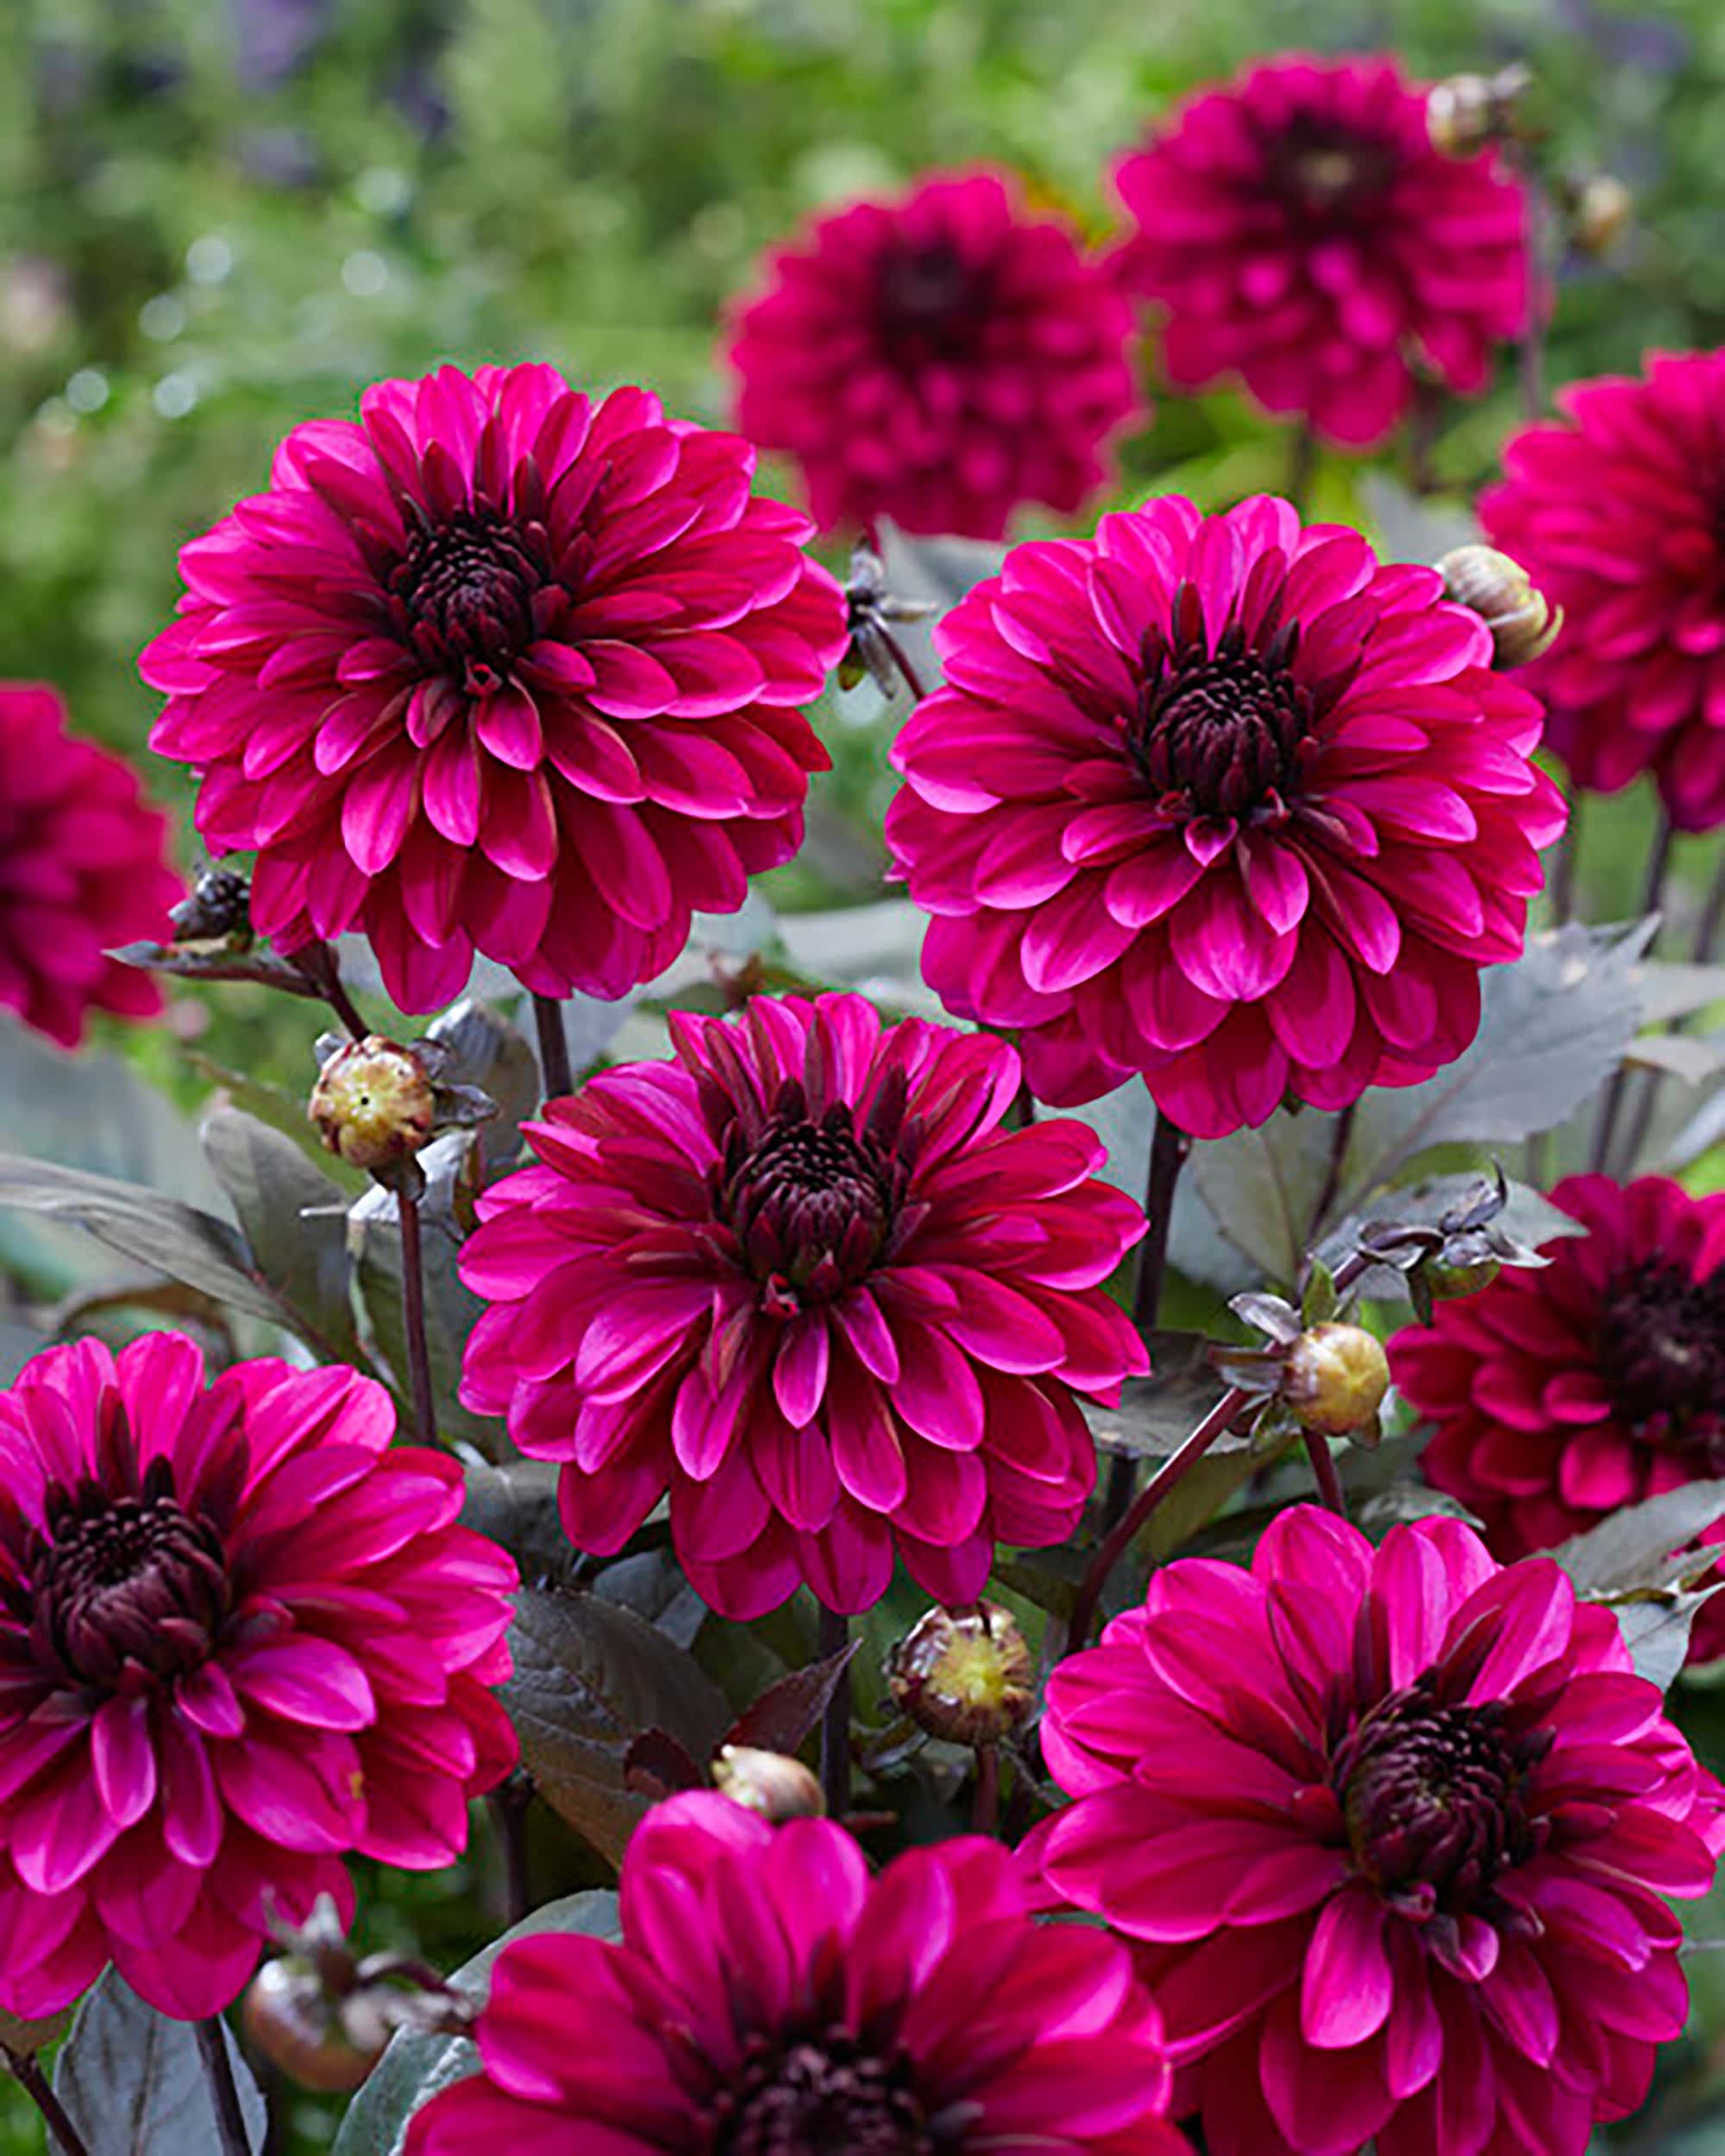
(553, 1046)
(27, 2071)
(835, 1721)
(218, 2064)
(413, 1319)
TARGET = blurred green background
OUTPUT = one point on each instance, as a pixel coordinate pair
(218, 218)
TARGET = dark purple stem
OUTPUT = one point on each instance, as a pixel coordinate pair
(413, 1319)
(231, 2120)
(1324, 1470)
(912, 680)
(835, 1721)
(1652, 891)
(554, 1048)
(1169, 1147)
(29, 2077)
(985, 1805)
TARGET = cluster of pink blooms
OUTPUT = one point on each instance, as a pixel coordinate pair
(1378, 1840)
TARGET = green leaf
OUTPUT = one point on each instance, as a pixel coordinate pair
(514, 1505)
(1262, 1187)
(590, 1676)
(177, 1239)
(1157, 1413)
(296, 1221)
(416, 2066)
(485, 1050)
(1656, 1629)
(133, 2081)
(1643, 1546)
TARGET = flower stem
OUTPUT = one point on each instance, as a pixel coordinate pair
(1324, 1469)
(27, 2071)
(1653, 893)
(1563, 867)
(1531, 354)
(212, 2043)
(1169, 1147)
(317, 962)
(553, 1046)
(413, 1319)
(1340, 1133)
(835, 1722)
(901, 660)
(1171, 1471)
(1302, 465)
(985, 1805)
(508, 1804)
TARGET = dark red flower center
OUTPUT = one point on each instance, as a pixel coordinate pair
(1662, 1351)
(1218, 732)
(822, 2097)
(123, 1582)
(811, 1200)
(1327, 176)
(463, 591)
(929, 300)
(1434, 1795)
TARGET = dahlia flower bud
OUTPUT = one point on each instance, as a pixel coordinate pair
(1523, 622)
(1445, 1283)
(1467, 113)
(769, 1782)
(216, 909)
(1334, 1379)
(871, 609)
(373, 1103)
(291, 2019)
(966, 1675)
(1600, 209)
(323, 2017)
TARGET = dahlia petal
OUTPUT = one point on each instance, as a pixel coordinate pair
(1346, 1990)
(122, 1759)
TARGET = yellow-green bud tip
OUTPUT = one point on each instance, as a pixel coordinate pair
(966, 1675)
(1334, 1379)
(372, 1103)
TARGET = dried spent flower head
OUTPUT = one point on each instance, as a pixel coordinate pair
(373, 1103)
(1524, 625)
(290, 2018)
(1466, 114)
(1334, 1379)
(217, 909)
(770, 1783)
(966, 1675)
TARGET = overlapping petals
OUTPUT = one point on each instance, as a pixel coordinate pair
(1298, 229)
(495, 669)
(1393, 1829)
(1559, 1393)
(769, 1995)
(240, 1637)
(81, 872)
(800, 1276)
(942, 360)
(1617, 510)
(1224, 802)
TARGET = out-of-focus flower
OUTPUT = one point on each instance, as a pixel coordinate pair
(1598, 212)
(1224, 802)
(495, 670)
(942, 360)
(81, 872)
(1392, 1828)
(964, 1675)
(1558, 1395)
(1614, 510)
(1299, 229)
(768, 1997)
(769, 1782)
(800, 1275)
(1465, 113)
(241, 1635)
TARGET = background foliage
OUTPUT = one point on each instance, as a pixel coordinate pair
(218, 219)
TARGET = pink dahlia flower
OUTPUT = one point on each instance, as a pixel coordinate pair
(1616, 511)
(1558, 1393)
(1224, 802)
(239, 1636)
(1298, 230)
(941, 360)
(495, 670)
(768, 1997)
(81, 871)
(801, 1277)
(1394, 1828)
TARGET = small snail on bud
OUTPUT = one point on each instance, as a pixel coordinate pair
(1522, 621)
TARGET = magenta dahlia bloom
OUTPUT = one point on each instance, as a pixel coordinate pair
(239, 1636)
(1617, 511)
(769, 1997)
(1298, 229)
(800, 1276)
(1224, 802)
(81, 871)
(497, 669)
(1394, 1828)
(942, 360)
(1558, 1393)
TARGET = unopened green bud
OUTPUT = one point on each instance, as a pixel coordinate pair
(1335, 1378)
(966, 1675)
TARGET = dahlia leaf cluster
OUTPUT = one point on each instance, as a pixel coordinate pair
(1092, 1481)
